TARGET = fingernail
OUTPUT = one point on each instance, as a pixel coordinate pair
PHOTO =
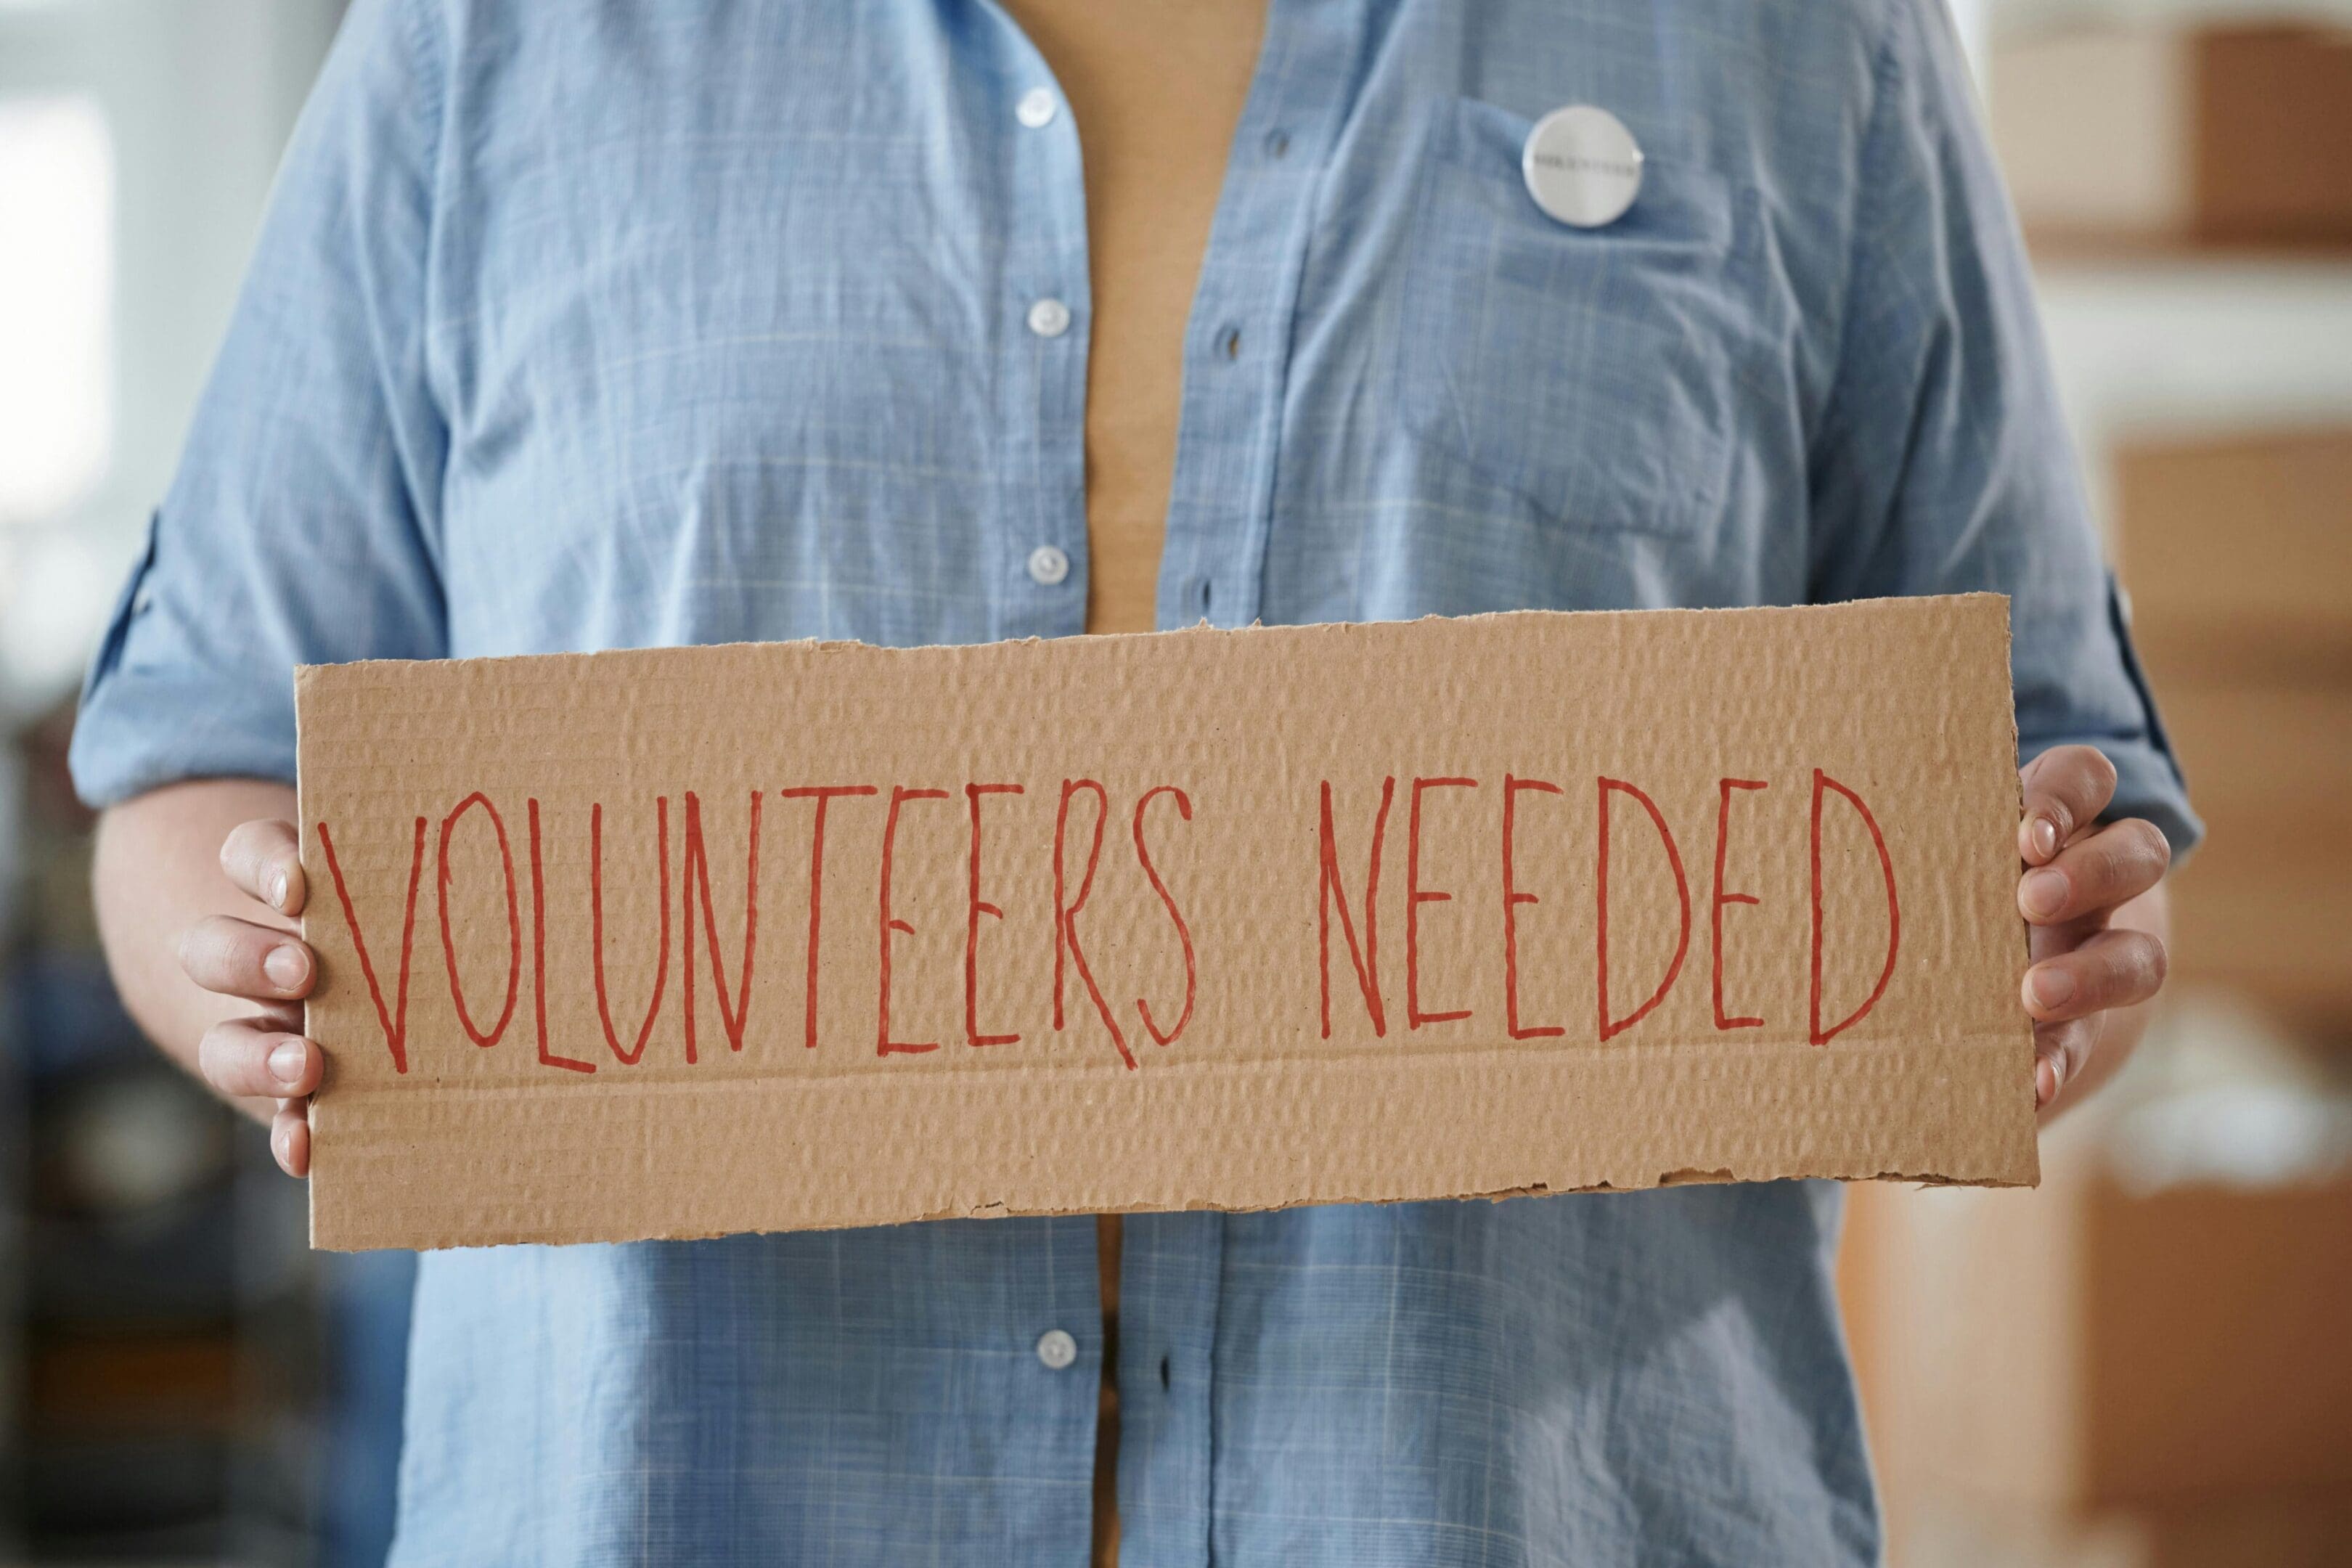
(286, 968)
(2043, 893)
(2044, 833)
(286, 1063)
(2049, 987)
(2045, 1081)
(278, 889)
(279, 1139)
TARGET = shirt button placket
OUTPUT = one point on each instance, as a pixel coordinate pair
(1047, 540)
(1049, 564)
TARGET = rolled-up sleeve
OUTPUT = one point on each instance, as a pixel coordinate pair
(1942, 463)
(302, 524)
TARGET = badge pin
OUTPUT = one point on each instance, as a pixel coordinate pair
(1582, 166)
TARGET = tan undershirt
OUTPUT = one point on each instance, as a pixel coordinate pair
(1155, 87)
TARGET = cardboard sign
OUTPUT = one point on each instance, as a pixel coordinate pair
(693, 940)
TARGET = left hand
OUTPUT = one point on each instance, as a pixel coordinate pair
(2078, 871)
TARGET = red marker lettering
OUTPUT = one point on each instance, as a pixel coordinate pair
(884, 1045)
(1175, 915)
(1066, 915)
(1610, 1026)
(1512, 898)
(1413, 898)
(1330, 889)
(1820, 1036)
(698, 875)
(597, 929)
(824, 795)
(395, 1023)
(974, 907)
(539, 958)
(1715, 915)
(514, 922)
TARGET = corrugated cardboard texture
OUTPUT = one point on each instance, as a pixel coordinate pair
(504, 823)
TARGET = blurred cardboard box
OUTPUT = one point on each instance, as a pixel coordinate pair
(2264, 907)
(2238, 559)
(2089, 1376)
(2084, 1347)
(2237, 554)
(2273, 1532)
(2154, 133)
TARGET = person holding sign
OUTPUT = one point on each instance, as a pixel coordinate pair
(925, 323)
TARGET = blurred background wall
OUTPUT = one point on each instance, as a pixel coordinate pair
(2148, 1363)
(180, 1379)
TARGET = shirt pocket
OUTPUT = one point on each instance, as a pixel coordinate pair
(1587, 373)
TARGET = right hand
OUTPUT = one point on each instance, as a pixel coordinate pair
(262, 1055)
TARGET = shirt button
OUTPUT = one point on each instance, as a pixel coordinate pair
(1057, 1349)
(1049, 317)
(1036, 109)
(1048, 566)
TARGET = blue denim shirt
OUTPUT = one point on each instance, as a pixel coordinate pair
(600, 324)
